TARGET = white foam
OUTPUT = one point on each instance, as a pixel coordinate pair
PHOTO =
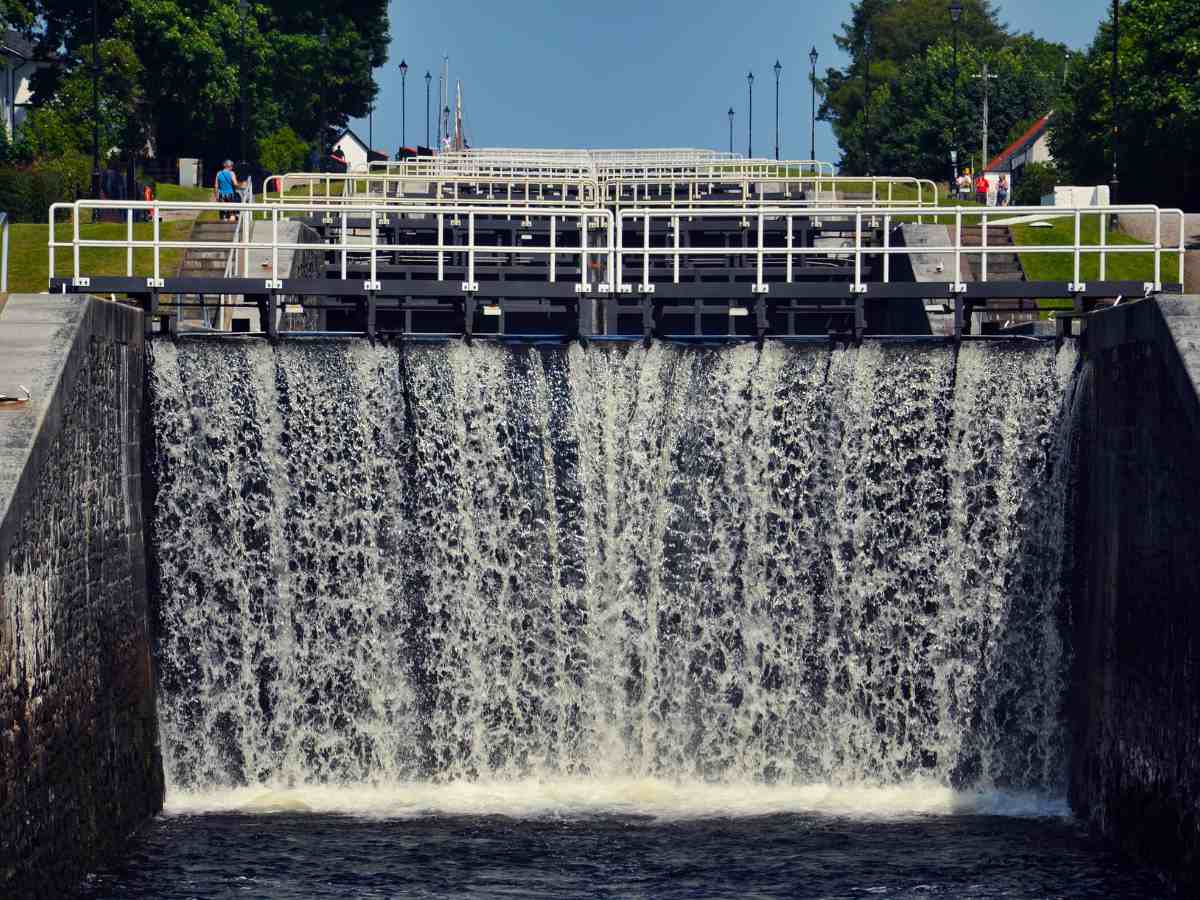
(581, 798)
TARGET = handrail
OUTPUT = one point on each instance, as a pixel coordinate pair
(4, 254)
(275, 213)
(756, 217)
(700, 188)
(443, 189)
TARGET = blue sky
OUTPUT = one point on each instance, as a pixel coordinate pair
(624, 73)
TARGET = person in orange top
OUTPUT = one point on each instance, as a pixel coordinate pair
(981, 189)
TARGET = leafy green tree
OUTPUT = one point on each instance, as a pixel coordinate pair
(282, 151)
(913, 117)
(306, 63)
(1158, 143)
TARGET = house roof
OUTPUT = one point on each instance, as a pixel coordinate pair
(1035, 131)
(349, 133)
(16, 44)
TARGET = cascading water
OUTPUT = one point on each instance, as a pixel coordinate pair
(452, 564)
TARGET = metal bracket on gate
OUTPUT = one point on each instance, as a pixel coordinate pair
(625, 289)
(760, 289)
(583, 288)
(470, 287)
(274, 284)
(1079, 287)
(80, 282)
(645, 288)
(370, 286)
(155, 283)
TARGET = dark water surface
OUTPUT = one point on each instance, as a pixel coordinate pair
(286, 855)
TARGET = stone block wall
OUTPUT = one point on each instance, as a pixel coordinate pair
(80, 767)
(1135, 709)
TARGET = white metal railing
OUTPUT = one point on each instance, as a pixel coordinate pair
(740, 189)
(4, 254)
(595, 228)
(339, 190)
(638, 222)
(603, 236)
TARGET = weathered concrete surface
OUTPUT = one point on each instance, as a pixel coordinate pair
(80, 767)
(1135, 707)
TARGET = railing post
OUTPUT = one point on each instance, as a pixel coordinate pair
(344, 240)
(75, 231)
(553, 244)
(761, 250)
(1102, 244)
(646, 249)
(1158, 246)
(129, 242)
(791, 240)
(1077, 251)
(441, 258)
(675, 228)
(471, 249)
(983, 242)
(957, 245)
(887, 239)
(275, 245)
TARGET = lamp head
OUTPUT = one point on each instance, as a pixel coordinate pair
(956, 11)
(812, 56)
(403, 68)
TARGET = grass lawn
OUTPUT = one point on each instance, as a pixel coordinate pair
(28, 258)
(175, 193)
(1061, 266)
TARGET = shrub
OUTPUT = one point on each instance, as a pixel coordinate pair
(282, 151)
(1037, 179)
(27, 192)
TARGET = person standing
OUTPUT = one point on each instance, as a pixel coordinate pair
(981, 189)
(1002, 191)
(225, 188)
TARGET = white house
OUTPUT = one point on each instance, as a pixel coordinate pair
(354, 150)
(16, 69)
(1030, 147)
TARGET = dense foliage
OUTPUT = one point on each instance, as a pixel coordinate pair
(172, 77)
(1158, 144)
(913, 120)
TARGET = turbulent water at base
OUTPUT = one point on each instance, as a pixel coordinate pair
(452, 564)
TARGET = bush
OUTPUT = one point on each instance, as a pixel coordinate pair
(1037, 180)
(27, 192)
(282, 151)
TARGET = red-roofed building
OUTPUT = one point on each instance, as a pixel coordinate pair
(1030, 147)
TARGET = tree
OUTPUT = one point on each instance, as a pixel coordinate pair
(306, 62)
(282, 151)
(1159, 138)
(913, 113)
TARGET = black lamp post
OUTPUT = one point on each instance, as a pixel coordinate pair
(750, 118)
(778, 68)
(731, 131)
(446, 116)
(1116, 99)
(428, 78)
(812, 134)
(95, 102)
(867, 101)
(242, 81)
(403, 103)
(955, 14)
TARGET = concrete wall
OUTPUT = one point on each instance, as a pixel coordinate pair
(80, 767)
(1135, 708)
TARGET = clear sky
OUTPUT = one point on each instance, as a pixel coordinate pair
(637, 73)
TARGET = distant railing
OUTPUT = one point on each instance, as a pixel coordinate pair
(767, 190)
(339, 190)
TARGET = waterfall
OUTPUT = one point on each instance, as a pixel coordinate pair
(445, 563)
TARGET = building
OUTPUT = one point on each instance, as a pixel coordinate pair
(16, 58)
(355, 152)
(1032, 146)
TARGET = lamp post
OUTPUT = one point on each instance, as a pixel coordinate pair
(95, 102)
(403, 103)
(1116, 99)
(242, 81)
(867, 101)
(428, 79)
(731, 131)
(812, 133)
(750, 118)
(956, 10)
(778, 68)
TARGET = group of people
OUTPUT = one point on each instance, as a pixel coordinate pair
(979, 188)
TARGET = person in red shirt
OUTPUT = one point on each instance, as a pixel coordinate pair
(981, 189)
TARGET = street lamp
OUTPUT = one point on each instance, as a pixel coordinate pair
(867, 100)
(956, 10)
(812, 135)
(778, 68)
(242, 81)
(1116, 100)
(428, 78)
(95, 102)
(731, 131)
(750, 118)
(403, 103)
